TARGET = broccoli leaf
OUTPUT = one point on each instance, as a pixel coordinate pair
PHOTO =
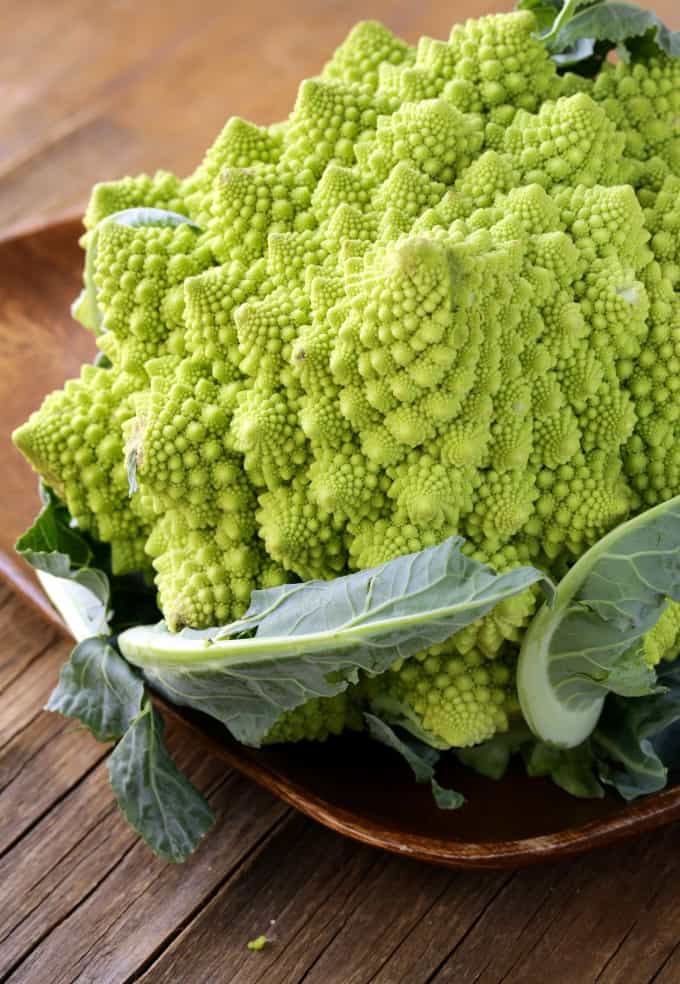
(588, 644)
(579, 33)
(635, 744)
(572, 769)
(157, 800)
(56, 549)
(637, 741)
(75, 572)
(545, 11)
(98, 688)
(421, 757)
(313, 639)
(616, 23)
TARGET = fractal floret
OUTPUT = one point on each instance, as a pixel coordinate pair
(440, 299)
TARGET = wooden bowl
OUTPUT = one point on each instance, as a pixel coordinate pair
(352, 785)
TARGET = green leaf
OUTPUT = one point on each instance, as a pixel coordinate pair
(572, 769)
(85, 308)
(630, 676)
(578, 52)
(313, 639)
(544, 11)
(564, 15)
(492, 757)
(54, 547)
(75, 572)
(588, 643)
(638, 740)
(98, 688)
(157, 800)
(421, 757)
(616, 23)
(52, 532)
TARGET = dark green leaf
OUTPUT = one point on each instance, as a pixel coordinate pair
(572, 769)
(157, 800)
(636, 740)
(616, 23)
(663, 717)
(98, 688)
(52, 532)
(102, 361)
(53, 546)
(91, 600)
(421, 757)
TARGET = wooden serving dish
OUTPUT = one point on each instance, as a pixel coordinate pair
(352, 785)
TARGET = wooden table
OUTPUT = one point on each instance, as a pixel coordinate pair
(91, 91)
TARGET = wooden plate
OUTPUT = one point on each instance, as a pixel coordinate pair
(351, 784)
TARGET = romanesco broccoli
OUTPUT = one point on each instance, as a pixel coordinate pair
(441, 298)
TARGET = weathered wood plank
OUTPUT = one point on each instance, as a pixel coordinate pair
(42, 755)
(564, 922)
(77, 44)
(25, 635)
(294, 891)
(38, 767)
(335, 912)
(24, 698)
(57, 864)
(669, 972)
(457, 910)
(72, 850)
(141, 902)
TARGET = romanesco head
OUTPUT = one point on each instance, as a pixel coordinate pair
(441, 298)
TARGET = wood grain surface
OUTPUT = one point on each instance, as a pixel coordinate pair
(92, 91)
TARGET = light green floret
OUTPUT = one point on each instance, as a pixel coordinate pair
(206, 576)
(367, 46)
(643, 100)
(432, 135)
(569, 141)
(240, 145)
(162, 190)
(457, 699)
(301, 535)
(663, 642)
(75, 442)
(139, 275)
(500, 66)
(316, 720)
(328, 119)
